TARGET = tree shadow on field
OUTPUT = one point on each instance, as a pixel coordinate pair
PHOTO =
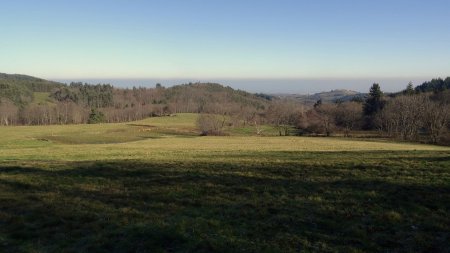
(136, 206)
(434, 159)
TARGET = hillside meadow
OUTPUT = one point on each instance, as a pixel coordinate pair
(155, 185)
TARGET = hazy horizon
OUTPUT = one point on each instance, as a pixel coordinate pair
(320, 45)
(267, 46)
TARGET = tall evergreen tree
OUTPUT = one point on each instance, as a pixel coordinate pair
(373, 104)
(409, 89)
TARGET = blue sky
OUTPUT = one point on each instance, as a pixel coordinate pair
(326, 41)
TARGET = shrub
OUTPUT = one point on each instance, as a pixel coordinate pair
(96, 117)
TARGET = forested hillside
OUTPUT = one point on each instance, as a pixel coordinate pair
(435, 85)
(26, 100)
(20, 89)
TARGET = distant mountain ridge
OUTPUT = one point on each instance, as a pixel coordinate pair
(326, 96)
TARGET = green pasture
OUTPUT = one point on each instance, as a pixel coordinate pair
(155, 185)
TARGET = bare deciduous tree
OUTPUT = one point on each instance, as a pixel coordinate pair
(402, 117)
(283, 115)
(348, 116)
(326, 116)
(8, 113)
(436, 118)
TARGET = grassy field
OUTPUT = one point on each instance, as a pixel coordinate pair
(156, 186)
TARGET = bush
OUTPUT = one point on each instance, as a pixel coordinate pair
(96, 117)
(211, 124)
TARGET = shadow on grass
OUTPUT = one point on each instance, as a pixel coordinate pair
(137, 206)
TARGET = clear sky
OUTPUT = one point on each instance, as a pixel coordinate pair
(234, 40)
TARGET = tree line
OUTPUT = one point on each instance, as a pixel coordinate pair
(78, 103)
(414, 114)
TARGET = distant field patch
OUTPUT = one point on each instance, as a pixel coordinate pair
(41, 97)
